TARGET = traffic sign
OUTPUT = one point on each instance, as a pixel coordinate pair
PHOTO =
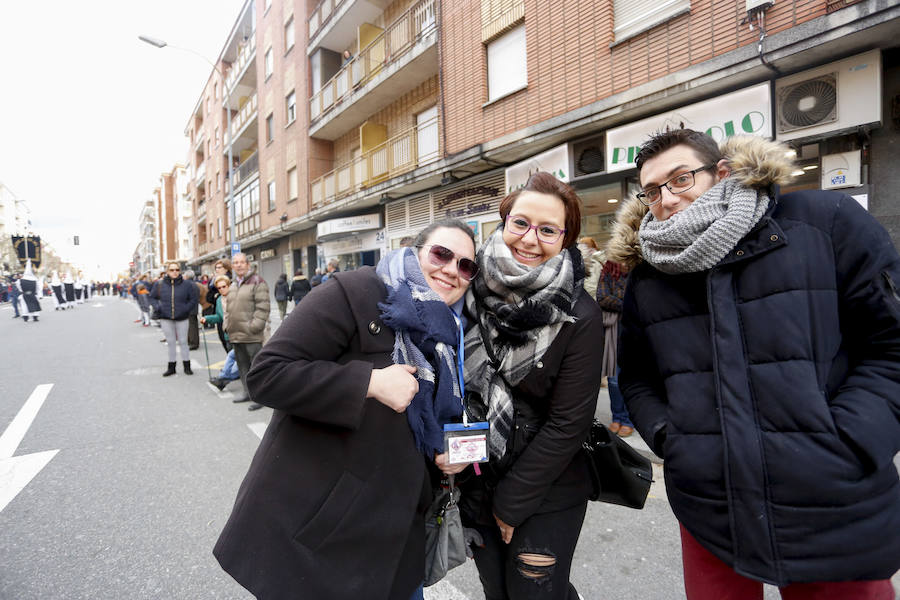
(235, 248)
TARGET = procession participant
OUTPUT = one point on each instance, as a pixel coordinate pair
(69, 287)
(29, 303)
(59, 301)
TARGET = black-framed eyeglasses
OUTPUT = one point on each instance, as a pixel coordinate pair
(677, 185)
(175, 269)
(519, 225)
(440, 256)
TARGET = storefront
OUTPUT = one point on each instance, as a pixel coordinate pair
(354, 241)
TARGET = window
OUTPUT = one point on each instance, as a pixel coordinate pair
(289, 35)
(507, 65)
(267, 5)
(291, 104)
(270, 63)
(634, 16)
(217, 136)
(216, 91)
(270, 128)
(219, 225)
(218, 181)
(292, 184)
(271, 190)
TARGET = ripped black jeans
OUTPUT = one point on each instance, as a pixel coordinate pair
(536, 563)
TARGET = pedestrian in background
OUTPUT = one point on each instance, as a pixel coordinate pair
(222, 284)
(759, 357)
(246, 317)
(531, 370)
(316, 278)
(14, 294)
(593, 259)
(282, 294)
(193, 325)
(172, 299)
(300, 287)
(330, 269)
(28, 287)
(222, 267)
(361, 379)
(143, 298)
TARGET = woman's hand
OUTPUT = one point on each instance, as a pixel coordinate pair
(506, 531)
(393, 386)
(203, 320)
(441, 461)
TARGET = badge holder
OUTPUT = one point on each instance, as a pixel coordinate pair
(466, 442)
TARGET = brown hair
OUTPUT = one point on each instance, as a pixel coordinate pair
(224, 262)
(545, 183)
(704, 146)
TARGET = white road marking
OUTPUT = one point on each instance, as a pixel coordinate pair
(16, 472)
(13, 435)
(97, 305)
(258, 428)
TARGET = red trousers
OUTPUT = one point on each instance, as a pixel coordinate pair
(708, 578)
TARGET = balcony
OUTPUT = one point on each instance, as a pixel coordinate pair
(198, 141)
(200, 174)
(244, 115)
(245, 170)
(245, 59)
(401, 57)
(395, 156)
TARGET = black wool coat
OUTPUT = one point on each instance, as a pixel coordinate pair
(544, 469)
(333, 504)
(771, 385)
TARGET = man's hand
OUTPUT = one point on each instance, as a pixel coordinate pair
(393, 386)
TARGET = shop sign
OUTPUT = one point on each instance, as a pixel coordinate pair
(348, 224)
(472, 198)
(747, 111)
(371, 240)
(264, 254)
(555, 161)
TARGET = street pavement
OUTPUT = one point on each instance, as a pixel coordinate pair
(115, 482)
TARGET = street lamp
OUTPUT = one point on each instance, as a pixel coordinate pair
(157, 43)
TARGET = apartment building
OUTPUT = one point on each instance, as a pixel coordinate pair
(145, 255)
(357, 122)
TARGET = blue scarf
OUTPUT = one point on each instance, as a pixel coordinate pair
(427, 333)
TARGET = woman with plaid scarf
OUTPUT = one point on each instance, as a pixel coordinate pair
(532, 370)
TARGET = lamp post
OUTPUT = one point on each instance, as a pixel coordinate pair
(225, 97)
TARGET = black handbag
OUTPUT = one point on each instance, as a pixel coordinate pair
(621, 475)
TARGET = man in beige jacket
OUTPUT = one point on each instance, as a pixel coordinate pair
(246, 317)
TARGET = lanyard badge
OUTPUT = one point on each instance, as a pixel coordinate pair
(465, 442)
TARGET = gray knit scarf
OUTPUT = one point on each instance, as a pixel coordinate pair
(520, 309)
(697, 238)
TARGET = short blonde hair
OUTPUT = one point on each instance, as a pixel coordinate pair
(221, 278)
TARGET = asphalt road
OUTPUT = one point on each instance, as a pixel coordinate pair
(117, 483)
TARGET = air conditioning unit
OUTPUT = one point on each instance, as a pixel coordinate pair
(587, 156)
(835, 97)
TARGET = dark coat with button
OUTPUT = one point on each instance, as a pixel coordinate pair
(771, 385)
(544, 470)
(332, 506)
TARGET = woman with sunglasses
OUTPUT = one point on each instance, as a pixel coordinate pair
(532, 370)
(172, 299)
(362, 378)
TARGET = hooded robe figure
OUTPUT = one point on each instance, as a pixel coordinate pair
(79, 289)
(59, 301)
(29, 304)
(69, 286)
(85, 287)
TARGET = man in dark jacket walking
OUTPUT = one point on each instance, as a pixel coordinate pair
(760, 355)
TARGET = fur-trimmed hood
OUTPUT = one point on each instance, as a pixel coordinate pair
(755, 161)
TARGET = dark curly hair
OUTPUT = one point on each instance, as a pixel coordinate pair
(706, 148)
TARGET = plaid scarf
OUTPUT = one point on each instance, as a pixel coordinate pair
(520, 309)
(426, 333)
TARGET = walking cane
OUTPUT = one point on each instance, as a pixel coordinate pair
(206, 351)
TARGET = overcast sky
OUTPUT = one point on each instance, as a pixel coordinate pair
(90, 116)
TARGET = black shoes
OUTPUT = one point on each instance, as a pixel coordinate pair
(244, 399)
(254, 406)
(170, 370)
(218, 383)
(187, 367)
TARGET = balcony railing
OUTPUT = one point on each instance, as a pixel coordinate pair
(389, 47)
(320, 16)
(246, 169)
(199, 176)
(399, 154)
(244, 115)
(198, 140)
(245, 56)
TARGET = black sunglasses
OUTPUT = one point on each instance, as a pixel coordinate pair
(440, 256)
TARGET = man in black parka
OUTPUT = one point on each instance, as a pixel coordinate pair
(760, 356)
